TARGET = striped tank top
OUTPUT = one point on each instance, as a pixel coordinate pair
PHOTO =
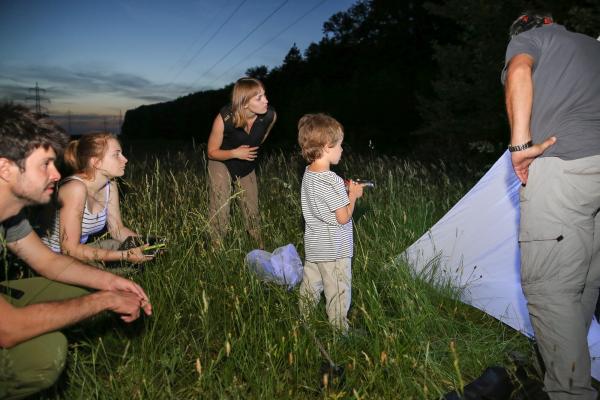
(91, 222)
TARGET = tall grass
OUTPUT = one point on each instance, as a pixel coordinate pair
(217, 332)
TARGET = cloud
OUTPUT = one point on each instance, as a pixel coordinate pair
(83, 88)
(66, 84)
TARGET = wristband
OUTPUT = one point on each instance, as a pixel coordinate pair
(520, 147)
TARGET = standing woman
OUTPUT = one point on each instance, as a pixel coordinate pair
(89, 201)
(237, 133)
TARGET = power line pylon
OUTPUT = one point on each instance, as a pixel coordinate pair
(38, 99)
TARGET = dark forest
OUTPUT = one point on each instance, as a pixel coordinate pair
(417, 78)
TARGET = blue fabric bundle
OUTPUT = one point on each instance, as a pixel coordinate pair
(283, 266)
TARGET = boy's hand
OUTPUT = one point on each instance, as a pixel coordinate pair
(355, 189)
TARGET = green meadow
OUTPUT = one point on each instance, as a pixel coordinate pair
(217, 332)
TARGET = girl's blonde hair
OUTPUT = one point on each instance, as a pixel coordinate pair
(79, 152)
(244, 89)
(315, 131)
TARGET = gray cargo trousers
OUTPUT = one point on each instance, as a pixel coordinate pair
(560, 267)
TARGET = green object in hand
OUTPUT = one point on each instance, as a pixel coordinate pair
(155, 247)
(155, 243)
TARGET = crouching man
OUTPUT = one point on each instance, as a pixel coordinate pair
(32, 311)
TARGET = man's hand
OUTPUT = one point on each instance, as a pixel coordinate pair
(521, 160)
(118, 284)
(127, 305)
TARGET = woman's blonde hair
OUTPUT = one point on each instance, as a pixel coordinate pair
(315, 131)
(244, 89)
(79, 152)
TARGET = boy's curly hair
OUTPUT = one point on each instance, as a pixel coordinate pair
(315, 131)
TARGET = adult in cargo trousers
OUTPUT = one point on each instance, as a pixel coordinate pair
(32, 351)
(552, 88)
(238, 132)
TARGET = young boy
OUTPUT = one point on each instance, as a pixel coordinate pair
(327, 206)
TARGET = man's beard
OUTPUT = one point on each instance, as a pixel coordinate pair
(30, 198)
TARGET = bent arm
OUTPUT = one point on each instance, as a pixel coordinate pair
(18, 324)
(23, 323)
(61, 268)
(270, 127)
(343, 215)
(215, 141)
(519, 97)
(117, 294)
(519, 103)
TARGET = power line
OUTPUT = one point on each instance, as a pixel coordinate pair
(182, 57)
(241, 41)
(208, 41)
(273, 38)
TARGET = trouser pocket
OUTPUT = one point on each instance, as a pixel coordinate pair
(541, 247)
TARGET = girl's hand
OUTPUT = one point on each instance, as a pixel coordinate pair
(136, 255)
(245, 152)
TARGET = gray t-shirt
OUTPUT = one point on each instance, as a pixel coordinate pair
(13, 229)
(566, 81)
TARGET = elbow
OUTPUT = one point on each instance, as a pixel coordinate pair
(211, 154)
(343, 215)
(74, 252)
(7, 341)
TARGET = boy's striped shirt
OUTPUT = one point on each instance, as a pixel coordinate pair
(324, 238)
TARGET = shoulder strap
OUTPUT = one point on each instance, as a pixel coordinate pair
(107, 195)
(70, 178)
(227, 115)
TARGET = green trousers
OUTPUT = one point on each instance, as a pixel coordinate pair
(36, 364)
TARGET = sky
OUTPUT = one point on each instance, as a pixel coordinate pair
(93, 60)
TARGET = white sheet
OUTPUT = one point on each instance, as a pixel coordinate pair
(475, 245)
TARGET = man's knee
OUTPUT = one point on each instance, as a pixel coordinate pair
(33, 366)
(51, 363)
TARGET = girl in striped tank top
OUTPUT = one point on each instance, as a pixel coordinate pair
(89, 202)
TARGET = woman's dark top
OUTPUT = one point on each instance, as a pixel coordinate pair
(235, 137)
